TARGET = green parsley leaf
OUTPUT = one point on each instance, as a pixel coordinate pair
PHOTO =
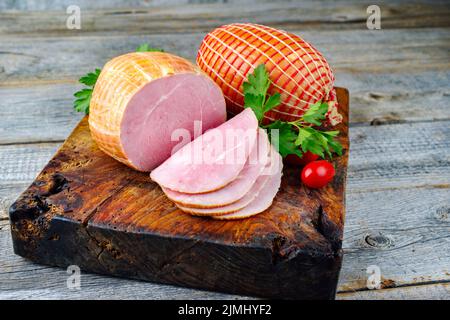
(316, 113)
(296, 137)
(81, 104)
(255, 92)
(331, 133)
(272, 102)
(145, 47)
(282, 136)
(336, 146)
(303, 134)
(91, 78)
(255, 102)
(84, 98)
(260, 79)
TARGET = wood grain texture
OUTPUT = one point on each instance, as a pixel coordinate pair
(401, 251)
(437, 291)
(405, 232)
(404, 260)
(44, 113)
(408, 253)
(169, 18)
(384, 71)
(22, 279)
(129, 228)
(378, 151)
(30, 59)
(44, 5)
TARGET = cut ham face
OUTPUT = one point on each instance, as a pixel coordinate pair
(234, 190)
(162, 107)
(272, 168)
(211, 161)
(141, 98)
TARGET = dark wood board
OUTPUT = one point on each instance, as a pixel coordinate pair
(86, 209)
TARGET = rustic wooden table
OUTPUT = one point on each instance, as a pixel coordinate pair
(398, 192)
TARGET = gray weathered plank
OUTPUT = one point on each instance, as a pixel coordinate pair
(39, 113)
(44, 112)
(135, 18)
(405, 232)
(44, 5)
(19, 165)
(400, 52)
(437, 291)
(399, 156)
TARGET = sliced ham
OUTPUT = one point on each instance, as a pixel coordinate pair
(261, 202)
(254, 191)
(211, 161)
(142, 98)
(236, 189)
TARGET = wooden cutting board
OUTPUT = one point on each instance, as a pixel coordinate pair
(89, 210)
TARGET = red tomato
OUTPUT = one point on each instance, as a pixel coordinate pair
(317, 174)
(303, 161)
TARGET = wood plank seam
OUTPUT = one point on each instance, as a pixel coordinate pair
(388, 286)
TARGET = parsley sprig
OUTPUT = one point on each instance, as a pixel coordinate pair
(145, 47)
(294, 137)
(255, 92)
(83, 97)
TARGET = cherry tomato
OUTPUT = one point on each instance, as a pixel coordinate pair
(303, 161)
(317, 174)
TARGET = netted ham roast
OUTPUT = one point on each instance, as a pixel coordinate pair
(141, 98)
(298, 71)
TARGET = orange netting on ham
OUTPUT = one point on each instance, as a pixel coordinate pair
(297, 70)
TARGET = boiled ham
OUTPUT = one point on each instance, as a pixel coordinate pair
(236, 189)
(142, 98)
(211, 161)
(298, 71)
(273, 168)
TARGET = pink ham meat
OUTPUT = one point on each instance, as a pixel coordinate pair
(163, 106)
(233, 191)
(142, 98)
(254, 191)
(261, 202)
(211, 161)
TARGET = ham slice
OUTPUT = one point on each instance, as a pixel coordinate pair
(254, 191)
(261, 202)
(142, 98)
(233, 191)
(211, 161)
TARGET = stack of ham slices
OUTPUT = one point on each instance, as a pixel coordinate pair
(230, 172)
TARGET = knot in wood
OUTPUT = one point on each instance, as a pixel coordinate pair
(378, 241)
(442, 213)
